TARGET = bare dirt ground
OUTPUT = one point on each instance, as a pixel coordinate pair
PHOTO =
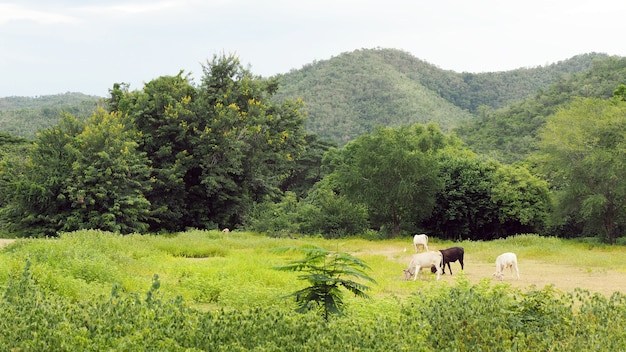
(5, 242)
(532, 274)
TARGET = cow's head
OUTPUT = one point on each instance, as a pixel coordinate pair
(407, 274)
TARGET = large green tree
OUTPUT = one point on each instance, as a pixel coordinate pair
(463, 208)
(584, 155)
(79, 175)
(393, 172)
(216, 148)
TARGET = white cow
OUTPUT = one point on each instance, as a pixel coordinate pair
(504, 261)
(420, 240)
(421, 261)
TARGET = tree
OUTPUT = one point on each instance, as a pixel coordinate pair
(393, 172)
(308, 168)
(216, 148)
(583, 153)
(80, 175)
(326, 271)
(248, 144)
(325, 212)
(463, 207)
(165, 115)
(522, 199)
(108, 181)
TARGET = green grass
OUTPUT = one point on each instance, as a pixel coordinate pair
(92, 291)
(212, 270)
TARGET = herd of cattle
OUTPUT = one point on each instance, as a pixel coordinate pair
(436, 260)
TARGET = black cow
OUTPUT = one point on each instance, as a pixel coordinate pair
(452, 255)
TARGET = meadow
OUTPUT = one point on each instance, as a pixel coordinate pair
(206, 290)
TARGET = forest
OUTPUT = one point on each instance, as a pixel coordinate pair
(458, 155)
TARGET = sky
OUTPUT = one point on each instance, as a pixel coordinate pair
(58, 46)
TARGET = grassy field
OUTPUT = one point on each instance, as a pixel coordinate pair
(209, 291)
(210, 269)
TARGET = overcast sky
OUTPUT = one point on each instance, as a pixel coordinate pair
(51, 47)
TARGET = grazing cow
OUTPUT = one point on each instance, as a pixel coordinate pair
(420, 240)
(226, 230)
(451, 255)
(506, 260)
(421, 261)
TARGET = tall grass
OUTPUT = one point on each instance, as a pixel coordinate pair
(214, 269)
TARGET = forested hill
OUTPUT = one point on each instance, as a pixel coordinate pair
(510, 133)
(24, 116)
(350, 94)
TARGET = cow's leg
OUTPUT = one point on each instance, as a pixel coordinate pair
(438, 273)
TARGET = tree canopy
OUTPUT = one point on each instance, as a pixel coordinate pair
(393, 172)
(583, 154)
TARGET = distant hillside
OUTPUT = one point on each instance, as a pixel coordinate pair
(24, 116)
(509, 134)
(350, 94)
(496, 113)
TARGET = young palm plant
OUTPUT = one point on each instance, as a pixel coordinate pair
(326, 271)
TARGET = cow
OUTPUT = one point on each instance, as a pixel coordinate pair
(504, 261)
(451, 255)
(420, 240)
(225, 231)
(423, 260)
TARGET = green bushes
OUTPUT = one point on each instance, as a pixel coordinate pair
(235, 302)
(444, 318)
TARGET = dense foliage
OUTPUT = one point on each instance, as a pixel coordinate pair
(170, 157)
(393, 172)
(229, 152)
(484, 199)
(79, 175)
(583, 152)
(214, 149)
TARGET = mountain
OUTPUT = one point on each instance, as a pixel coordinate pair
(495, 113)
(351, 94)
(24, 116)
(510, 133)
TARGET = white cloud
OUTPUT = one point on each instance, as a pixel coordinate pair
(14, 12)
(131, 7)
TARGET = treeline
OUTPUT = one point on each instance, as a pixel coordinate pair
(169, 157)
(227, 153)
(24, 116)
